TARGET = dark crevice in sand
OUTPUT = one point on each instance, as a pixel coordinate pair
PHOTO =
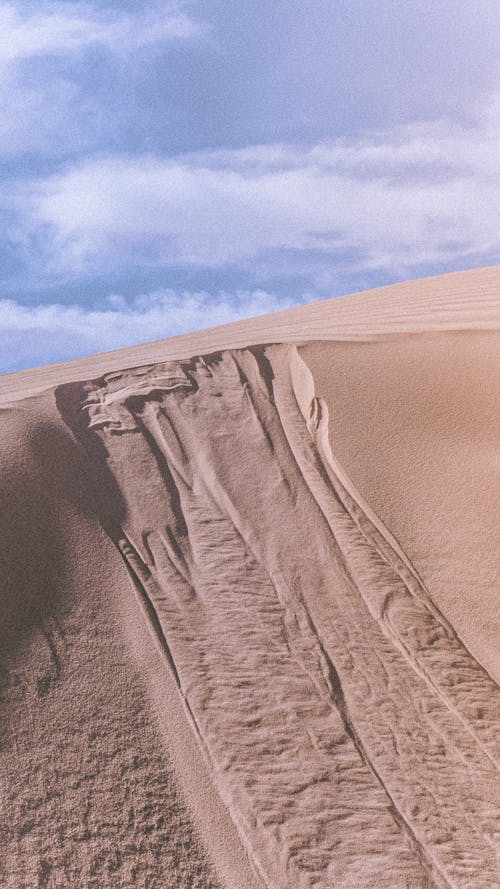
(138, 574)
(327, 693)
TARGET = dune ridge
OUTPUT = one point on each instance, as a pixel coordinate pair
(465, 300)
(321, 680)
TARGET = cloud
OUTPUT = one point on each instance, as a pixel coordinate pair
(51, 100)
(41, 334)
(398, 200)
(62, 28)
(101, 119)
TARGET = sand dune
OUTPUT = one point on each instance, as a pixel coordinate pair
(242, 645)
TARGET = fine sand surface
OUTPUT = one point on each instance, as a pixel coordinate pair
(249, 634)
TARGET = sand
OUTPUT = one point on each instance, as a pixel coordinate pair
(249, 616)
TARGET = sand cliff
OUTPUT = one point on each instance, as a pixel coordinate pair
(241, 643)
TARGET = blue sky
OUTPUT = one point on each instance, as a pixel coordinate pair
(170, 166)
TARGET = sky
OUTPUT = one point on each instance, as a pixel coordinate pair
(168, 166)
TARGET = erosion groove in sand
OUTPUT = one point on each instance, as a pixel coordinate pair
(347, 729)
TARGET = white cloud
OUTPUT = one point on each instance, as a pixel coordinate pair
(61, 28)
(45, 104)
(32, 335)
(397, 200)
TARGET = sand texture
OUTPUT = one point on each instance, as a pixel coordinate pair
(249, 625)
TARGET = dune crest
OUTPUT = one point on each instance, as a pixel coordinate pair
(315, 669)
(458, 301)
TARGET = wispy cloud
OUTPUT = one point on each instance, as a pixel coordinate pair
(62, 28)
(399, 200)
(51, 102)
(40, 334)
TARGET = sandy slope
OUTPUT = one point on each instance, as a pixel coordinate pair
(249, 614)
